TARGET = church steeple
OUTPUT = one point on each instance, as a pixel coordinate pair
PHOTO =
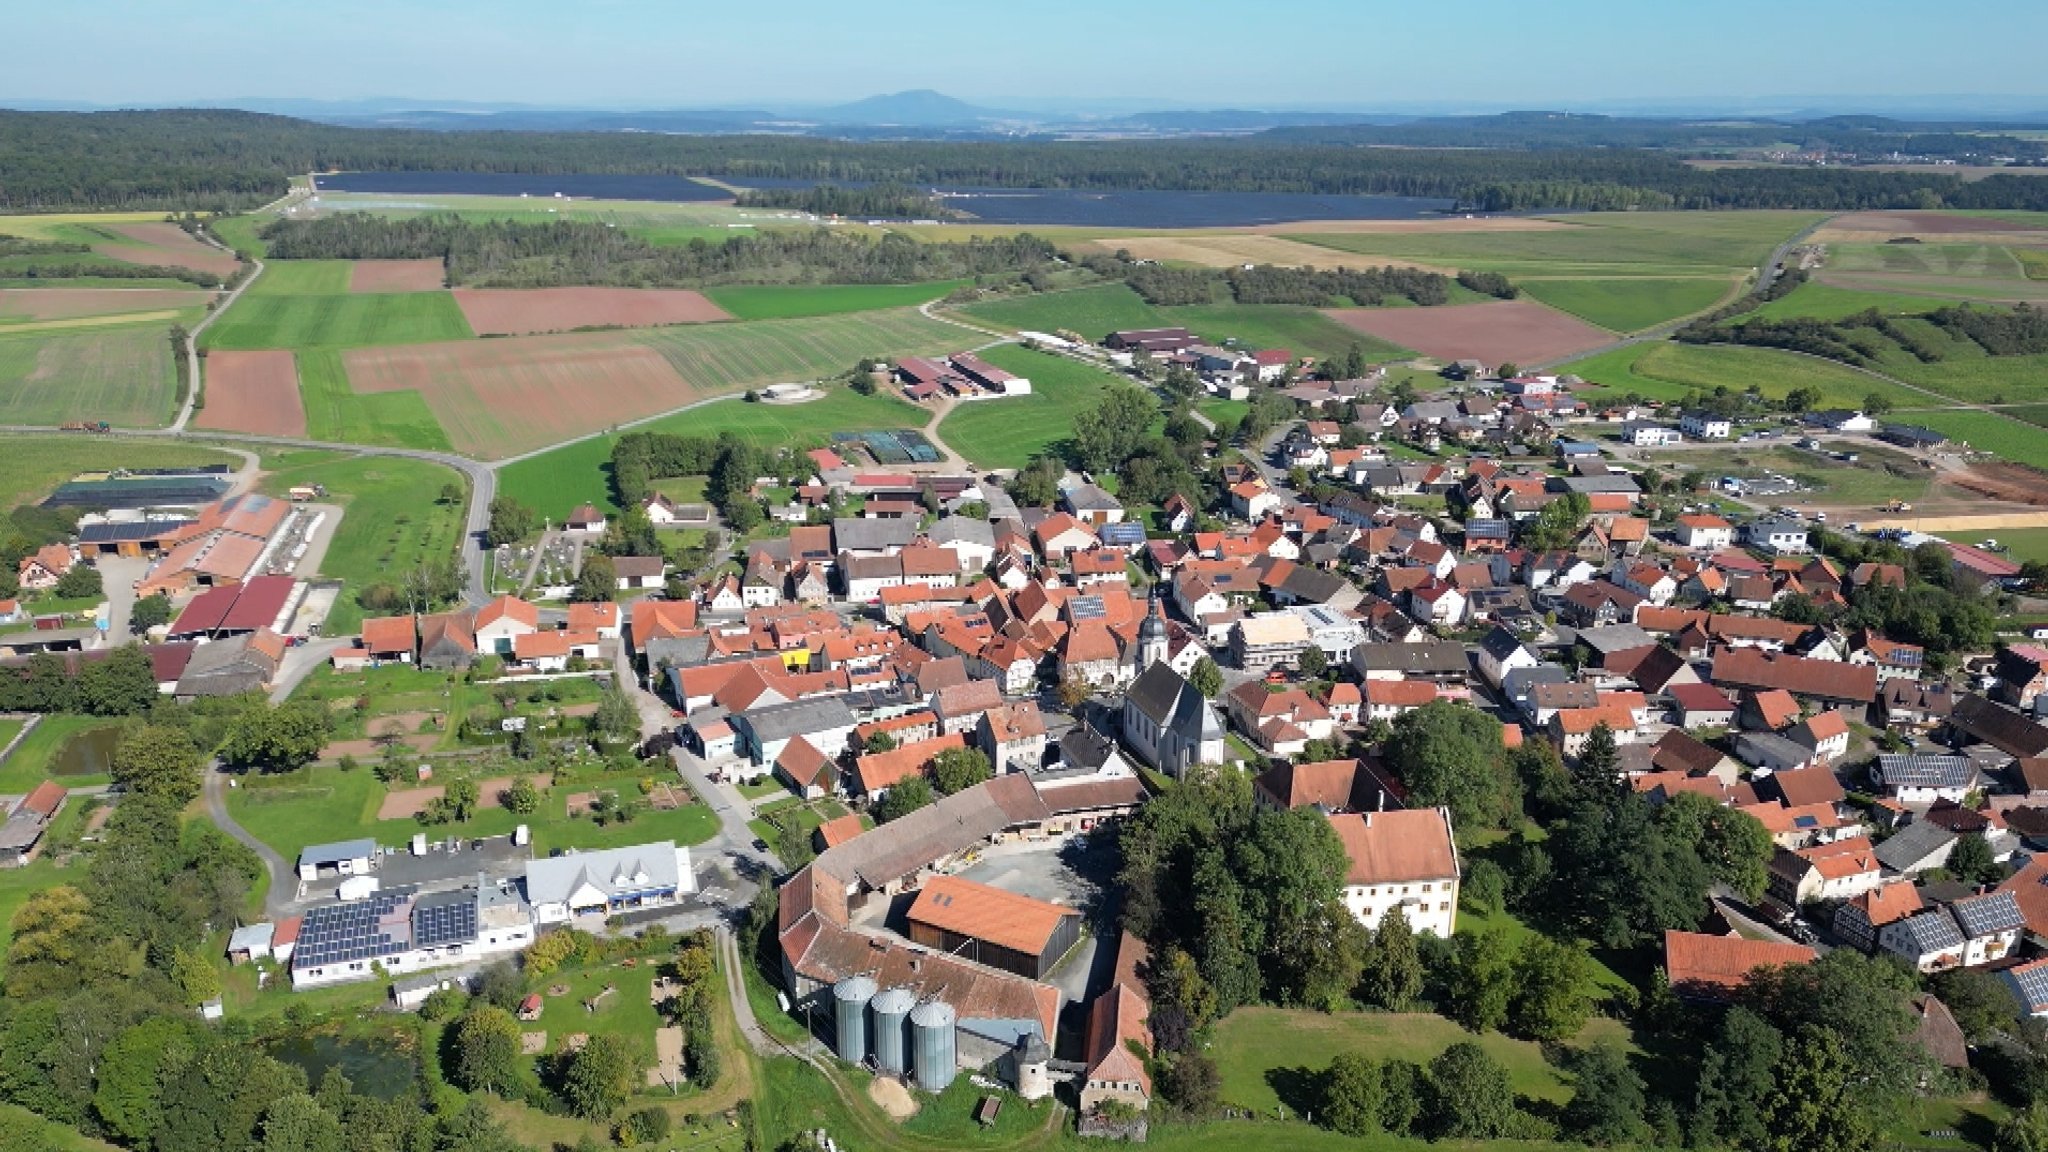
(1152, 641)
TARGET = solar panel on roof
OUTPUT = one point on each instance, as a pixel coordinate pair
(2033, 983)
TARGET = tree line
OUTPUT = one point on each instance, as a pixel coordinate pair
(212, 159)
(1863, 340)
(514, 254)
(888, 201)
(1273, 284)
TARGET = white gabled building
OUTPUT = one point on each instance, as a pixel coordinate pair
(1403, 859)
(610, 880)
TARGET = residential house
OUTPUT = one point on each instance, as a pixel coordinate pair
(1705, 425)
(1918, 847)
(499, 622)
(1859, 920)
(1782, 536)
(1717, 968)
(1696, 706)
(1012, 736)
(1705, 530)
(1825, 734)
(1916, 779)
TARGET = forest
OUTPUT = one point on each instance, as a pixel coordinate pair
(508, 254)
(885, 201)
(213, 159)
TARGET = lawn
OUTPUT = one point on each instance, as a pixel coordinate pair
(394, 519)
(337, 321)
(324, 803)
(1630, 304)
(34, 757)
(1667, 371)
(555, 482)
(18, 884)
(38, 463)
(1006, 433)
(122, 375)
(781, 302)
(1225, 414)
(24, 1130)
(336, 412)
(1255, 1046)
(2021, 544)
(2011, 439)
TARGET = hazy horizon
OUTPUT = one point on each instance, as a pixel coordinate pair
(1488, 55)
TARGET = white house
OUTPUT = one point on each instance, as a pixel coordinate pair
(1649, 434)
(1403, 859)
(1786, 537)
(1705, 426)
(1705, 530)
(607, 881)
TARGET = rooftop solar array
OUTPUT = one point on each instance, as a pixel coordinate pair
(1932, 932)
(1989, 914)
(1087, 608)
(444, 920)
(2032, 982)
(346, 932)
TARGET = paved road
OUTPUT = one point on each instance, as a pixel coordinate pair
(284, 882)
(734, 839)
(220, 307)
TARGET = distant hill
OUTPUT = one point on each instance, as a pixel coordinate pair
(919, 108)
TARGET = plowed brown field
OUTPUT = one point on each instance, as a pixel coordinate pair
(161, 243)
(255, 392)
(66, 303)
(1494, 332)
(395, 276)
(520, 311)
(500, 398)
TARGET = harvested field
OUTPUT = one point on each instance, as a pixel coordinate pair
(1232, 251)
(1924, 223)
(1445, 224)
(1522, 331)
(410, 802)
(2015, 483)
(68, 303)
(524, 311)
(395, 276)
(161, 243)
(256, 392)
(498, 398)
(123, 376)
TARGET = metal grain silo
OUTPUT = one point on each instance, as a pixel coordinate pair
(850, 1012)
(931, 1039)
(892, 1015)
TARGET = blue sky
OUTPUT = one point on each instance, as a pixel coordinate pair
(1188, 53)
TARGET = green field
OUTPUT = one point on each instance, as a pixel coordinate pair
(31, 465)
(1093, 312)
(1097, 311)
(1006, 433)
(1629, 304)
(2011, 439)
(1599, 244)
(121, 375)
(394, 521)
(337, 321)
(338, 413)
(1666, 371)
(1973, 261)
(554, 482)
(730, 357)
(1827, 302)
(779, 302)
(302, 278)
(1250, 1043)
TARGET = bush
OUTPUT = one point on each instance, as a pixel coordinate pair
(645, 1126)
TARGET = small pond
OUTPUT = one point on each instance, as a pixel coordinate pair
(376, 1069)
(87, 753)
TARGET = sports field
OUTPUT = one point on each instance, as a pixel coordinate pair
(1634, 303)
(344, 320)
(781, 302)
(393, 520)
(37, 463)
(123, 376)
(1006, 433)
(1665, 371)
(554, 482)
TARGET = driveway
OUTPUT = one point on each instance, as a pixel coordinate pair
(118, 575)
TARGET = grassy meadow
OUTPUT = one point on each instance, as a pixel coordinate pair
(393, 518)
(1006, 433)
(124, 376)
(1096, 311)
(1667, 371)
(555, 482)
(337, 412)
(1630, 304)
(37, 463)
(291, 320)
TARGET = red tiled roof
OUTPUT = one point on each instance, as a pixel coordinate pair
(45, 800)
(1716, 966)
